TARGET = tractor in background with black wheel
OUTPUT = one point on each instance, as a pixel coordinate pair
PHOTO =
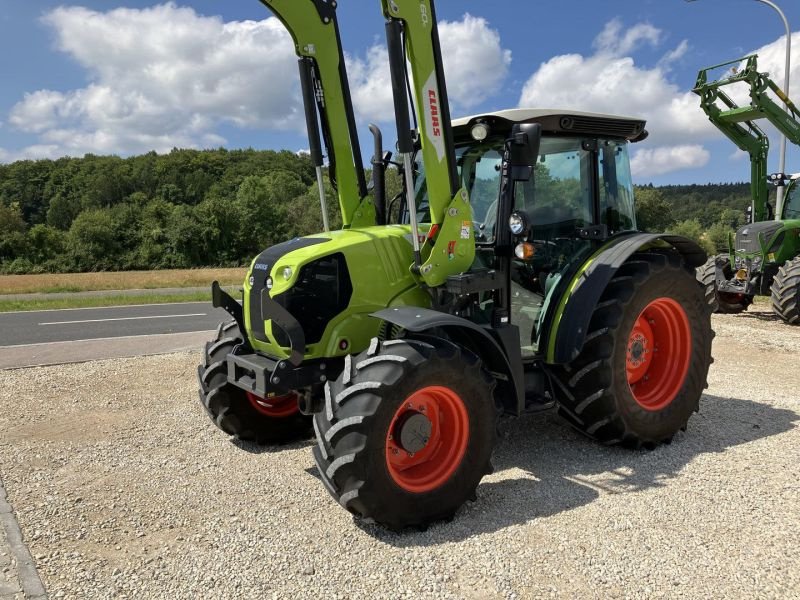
(763, 258)
(507, 277)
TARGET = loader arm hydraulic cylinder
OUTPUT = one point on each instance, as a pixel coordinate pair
(326, 92)
(413, 36)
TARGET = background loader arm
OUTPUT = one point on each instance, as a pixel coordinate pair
(413, 35)
(739, 123)
(314, 28)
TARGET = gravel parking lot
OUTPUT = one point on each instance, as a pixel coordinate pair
(123, 488)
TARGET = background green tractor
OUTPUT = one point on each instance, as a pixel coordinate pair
(763, 258)
(507, 277)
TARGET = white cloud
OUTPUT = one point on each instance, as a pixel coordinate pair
(738, 155)
(651, 162)
(612, 40)
(772, 59)
(611, 82)
(161, 77)
(674, 55)
(475, 65)
(166, 76)
(475, 62)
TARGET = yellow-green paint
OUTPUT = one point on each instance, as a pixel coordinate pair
(562, 304)
(454, 250)
(377, 260)
(316, 39)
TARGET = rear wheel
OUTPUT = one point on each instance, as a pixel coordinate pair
(643, 367)
(786, 292)
(721, 302)
(407, 431)
(241, 414)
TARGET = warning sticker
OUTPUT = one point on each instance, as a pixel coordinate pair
(466, 230)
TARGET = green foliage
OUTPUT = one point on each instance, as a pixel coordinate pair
(185, 209)
(46, 246)
(653, 212)
(93, 241)
(718, 236)
(12, 232)
(194, 208)
(703, 202)
(693, 230)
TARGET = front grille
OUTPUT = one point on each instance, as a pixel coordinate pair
(323, 291)
(747, 238)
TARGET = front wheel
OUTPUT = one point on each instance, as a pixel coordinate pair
(643, 367)
(407, 431)
(786, 292)
(721, 302)
(243, 415)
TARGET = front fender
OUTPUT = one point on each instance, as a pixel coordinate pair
(499, 349)
(567, 327)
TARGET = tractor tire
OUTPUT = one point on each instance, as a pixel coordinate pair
(724, 302)
(643, 366)
(407, 432)
(786, 292)
(241, 414)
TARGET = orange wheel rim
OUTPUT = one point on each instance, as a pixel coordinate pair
(658, 354)
(277, 407)
(427, 439)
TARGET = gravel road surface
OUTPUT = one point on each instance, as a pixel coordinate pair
(123, 488)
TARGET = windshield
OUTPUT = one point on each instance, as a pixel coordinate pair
(792, 210)
(559, 197)
(479, 169)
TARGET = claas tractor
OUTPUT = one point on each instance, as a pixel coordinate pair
(763, 257)
(508, 277)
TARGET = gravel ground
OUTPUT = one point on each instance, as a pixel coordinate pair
(123, 488)
(10, 587)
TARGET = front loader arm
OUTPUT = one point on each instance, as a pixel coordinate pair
(739, 123)
(413, 35)
(314, 28)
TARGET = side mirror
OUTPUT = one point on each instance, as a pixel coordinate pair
(524, 149)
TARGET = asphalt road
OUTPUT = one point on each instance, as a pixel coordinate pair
(20, 328)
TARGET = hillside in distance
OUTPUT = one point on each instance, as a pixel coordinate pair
(203, 208)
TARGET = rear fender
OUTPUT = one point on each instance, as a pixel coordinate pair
(566, 330)
(498, 349)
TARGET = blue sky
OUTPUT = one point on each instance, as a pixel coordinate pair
(175, 76)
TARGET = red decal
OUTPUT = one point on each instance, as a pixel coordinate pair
(433, 102)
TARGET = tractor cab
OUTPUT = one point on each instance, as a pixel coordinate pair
(791, 207)
(579, 194)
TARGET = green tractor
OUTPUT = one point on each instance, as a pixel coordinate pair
(763, 258)
(508, 277)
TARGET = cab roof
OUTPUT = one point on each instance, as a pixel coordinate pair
(558, 121)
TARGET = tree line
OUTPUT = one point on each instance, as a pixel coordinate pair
(193, 208)
(180, 210)
(706, 213)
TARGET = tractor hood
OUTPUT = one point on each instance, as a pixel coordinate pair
(314, 295)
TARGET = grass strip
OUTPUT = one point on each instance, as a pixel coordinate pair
(123, 280)
(101, 301)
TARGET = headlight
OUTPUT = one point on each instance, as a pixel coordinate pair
(517, 223)
(270, 283)
(480, 131)
(287, 273)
